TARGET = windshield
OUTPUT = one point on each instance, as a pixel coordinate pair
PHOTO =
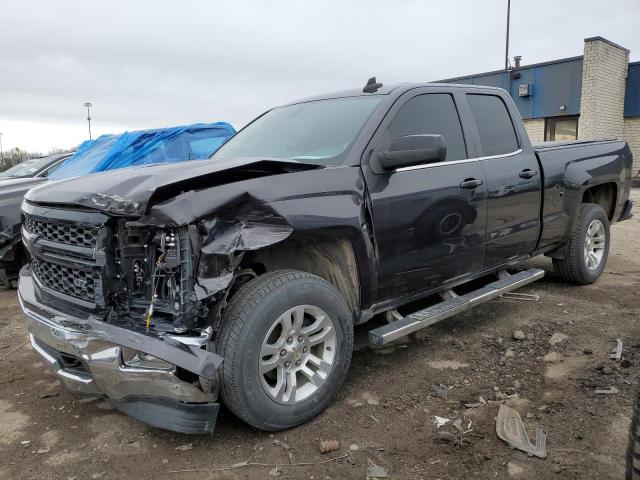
(28, 168)
(314, 132)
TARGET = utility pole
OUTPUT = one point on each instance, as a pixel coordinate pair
(1, 153)
(506, 52)
(88, 105)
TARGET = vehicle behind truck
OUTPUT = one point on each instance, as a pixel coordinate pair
(239, 279)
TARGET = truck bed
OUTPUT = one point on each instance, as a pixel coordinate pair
(553, 145)
(571, 168)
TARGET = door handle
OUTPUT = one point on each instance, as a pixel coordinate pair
(470, 183)
(527, 173)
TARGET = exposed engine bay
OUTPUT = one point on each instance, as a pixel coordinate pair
(156, 276)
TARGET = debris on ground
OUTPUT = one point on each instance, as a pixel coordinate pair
(327, 446)
(447, 365)
(41, 451)
(376, 471)
(441, 391)
(605, 370)
(13, 350)
(607, 391)
(440, 421)
(616, 351)
(457, 423)
(557, 338)
(509, 428)
(370, 399)
(49, 395)
(186, 446)
(514, 470)
(519, 335)
(83, 400)
(527, 297)
(354, 403)
(288, 449)
(25, 443)
(275, 472)
(553, 357)
(480, 403)
(259, 464)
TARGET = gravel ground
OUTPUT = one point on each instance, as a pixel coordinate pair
(384, 413)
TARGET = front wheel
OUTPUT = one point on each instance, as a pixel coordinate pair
(286, 340)
(588, 249)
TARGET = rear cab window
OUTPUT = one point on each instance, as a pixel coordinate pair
(495, 127)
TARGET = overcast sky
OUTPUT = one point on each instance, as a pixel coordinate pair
(155, 63)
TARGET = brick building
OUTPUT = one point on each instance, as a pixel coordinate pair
(595, 95)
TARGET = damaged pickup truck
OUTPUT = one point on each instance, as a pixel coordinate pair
(239, 279)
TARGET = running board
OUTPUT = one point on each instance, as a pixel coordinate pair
(451, 306)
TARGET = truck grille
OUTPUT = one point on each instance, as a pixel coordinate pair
(78, 235)
(70, 281)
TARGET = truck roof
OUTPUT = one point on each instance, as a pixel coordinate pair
(396, 90)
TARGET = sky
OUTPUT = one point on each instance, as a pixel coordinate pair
(157, 63)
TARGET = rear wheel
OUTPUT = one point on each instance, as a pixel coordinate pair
(286, 340)
(588, 249)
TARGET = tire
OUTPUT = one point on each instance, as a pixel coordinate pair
(633, 450)
(575, 268)
(254, 323)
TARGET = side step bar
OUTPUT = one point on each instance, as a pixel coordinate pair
(452, 306)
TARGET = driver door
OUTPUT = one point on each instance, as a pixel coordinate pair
(429, 219)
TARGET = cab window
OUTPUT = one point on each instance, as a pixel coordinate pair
(430, 114)
(497, 135)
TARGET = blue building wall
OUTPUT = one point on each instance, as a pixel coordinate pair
(552, 84)
(632, 93)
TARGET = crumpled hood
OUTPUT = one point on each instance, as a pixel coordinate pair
(131, 191)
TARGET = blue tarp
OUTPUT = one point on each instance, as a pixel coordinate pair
(145, 147)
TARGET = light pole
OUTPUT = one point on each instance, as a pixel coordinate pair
(506, 53)
(88, 105)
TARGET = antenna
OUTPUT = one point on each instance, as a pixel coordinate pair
(372, 86)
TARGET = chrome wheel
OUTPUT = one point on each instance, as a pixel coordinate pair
(297, 354)
(594, 244)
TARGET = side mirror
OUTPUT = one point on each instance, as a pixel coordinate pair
(412, 150)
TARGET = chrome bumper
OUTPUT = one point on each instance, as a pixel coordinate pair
(86, 355)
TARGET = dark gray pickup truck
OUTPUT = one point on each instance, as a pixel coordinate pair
(170, 289)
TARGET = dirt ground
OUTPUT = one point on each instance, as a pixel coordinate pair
(384, 413)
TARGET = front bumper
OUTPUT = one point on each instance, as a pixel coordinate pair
(86, 355)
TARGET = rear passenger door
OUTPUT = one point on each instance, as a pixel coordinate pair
(429, 219)
(513, 180)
